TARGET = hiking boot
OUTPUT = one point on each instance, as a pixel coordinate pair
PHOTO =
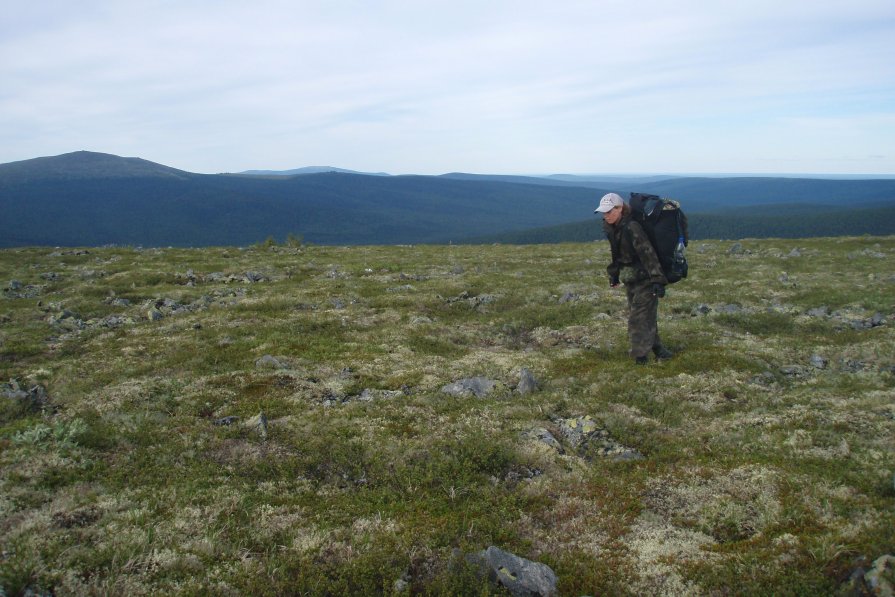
(662, 353)
(641, 360)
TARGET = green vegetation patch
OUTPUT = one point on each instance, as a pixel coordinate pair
(293, 419)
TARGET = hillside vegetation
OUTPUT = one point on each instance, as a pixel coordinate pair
(365, 420)
(87, 198)
(781, 221)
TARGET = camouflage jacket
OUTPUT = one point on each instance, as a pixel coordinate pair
(631, 248)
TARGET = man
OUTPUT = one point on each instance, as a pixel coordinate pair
(634, 263)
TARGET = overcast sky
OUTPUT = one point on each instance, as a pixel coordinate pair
(428, 87)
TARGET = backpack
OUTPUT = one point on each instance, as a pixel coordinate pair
(665, 224)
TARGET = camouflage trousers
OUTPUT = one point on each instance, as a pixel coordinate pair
(643, 311)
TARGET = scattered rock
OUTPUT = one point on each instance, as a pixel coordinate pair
(404, 288)
(254, 277)
(795, 253)
(17, 290)
(851, 366)
(818, 362)
(822, 311)
(730, 309)
(471, 386)
(544, 436)
(792, 370)
(736, 249)
(521, 473)
(521, 577)
(154, 315)
(527, 382)
(400, 586)
(413, 277)
(270, 362)
(588, 439)
(226, 421)
(259, 423)
(576, 430)
(763, 379)
(474, 301)
(568, 298)
(33, 399)
(881, 576)
(700, 309)
(117, 302)
(369, 395)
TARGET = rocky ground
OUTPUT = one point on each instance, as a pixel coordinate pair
(445, 420)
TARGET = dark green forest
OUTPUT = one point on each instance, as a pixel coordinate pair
(92, 199)
(786, 223)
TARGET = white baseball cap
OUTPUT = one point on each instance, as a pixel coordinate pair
(608, 202)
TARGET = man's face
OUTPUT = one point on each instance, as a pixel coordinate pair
(613, 215)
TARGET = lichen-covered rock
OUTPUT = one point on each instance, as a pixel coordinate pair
(590, 440)
(470, 386)
(880, 578)
(542, 435)
(521, 577)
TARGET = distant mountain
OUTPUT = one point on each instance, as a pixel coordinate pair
(308, 170)
(84, 165)
(86, 198)
(107, 200)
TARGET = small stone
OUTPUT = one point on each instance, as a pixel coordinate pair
(881, 576)
(818, 362)
(401, 586)
(730, 309)
(736, 249)
(701, 309)
(154, 315)
(819, 311)
(258, 422)
(269, 362)
(519, 576)
(226, 421)
(544, 436)
(475, 386)
(527, 382)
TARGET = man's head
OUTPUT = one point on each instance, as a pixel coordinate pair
(611, 206)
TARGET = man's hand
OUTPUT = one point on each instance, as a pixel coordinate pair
(613, 281)
(659, 290)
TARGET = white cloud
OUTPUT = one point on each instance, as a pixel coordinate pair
(440, 86)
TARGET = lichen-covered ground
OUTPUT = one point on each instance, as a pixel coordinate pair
(330, 420)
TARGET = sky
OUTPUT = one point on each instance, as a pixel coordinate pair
(429, 87)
